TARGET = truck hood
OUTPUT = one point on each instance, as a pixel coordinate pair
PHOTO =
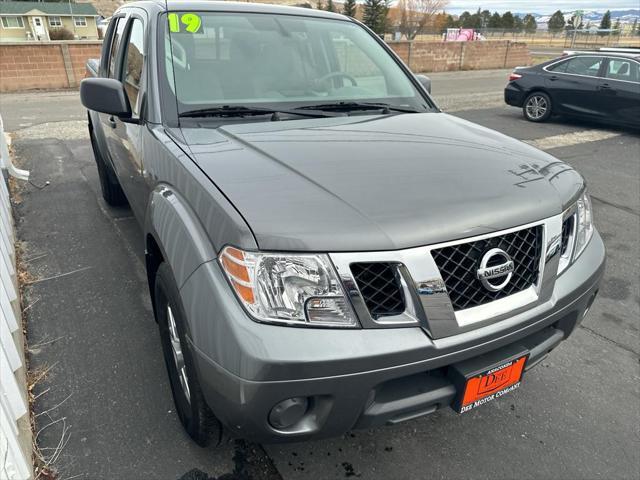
(378, 182)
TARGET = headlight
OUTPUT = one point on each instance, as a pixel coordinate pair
(290, 289)
(584, 230)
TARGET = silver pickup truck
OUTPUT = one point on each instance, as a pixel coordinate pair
(325, 249)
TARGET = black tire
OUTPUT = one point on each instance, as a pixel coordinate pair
(194, 413)
(111, 190)
(537, 107)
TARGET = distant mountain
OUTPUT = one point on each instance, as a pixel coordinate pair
(625, 16)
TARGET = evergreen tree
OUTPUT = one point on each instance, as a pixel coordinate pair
(617, 26)
(495, 21)
(349, 8)
(319, 5)
(463, 19)
(507, 21)
(471, 21)
(485, 15)
(330, 7)
(476, 20)
(556, 22)
(518, 24)
(605, 23)
(374, 15)
(634, 28)
(450, 22)
(530, 24)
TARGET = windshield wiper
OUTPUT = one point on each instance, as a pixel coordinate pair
(352, 106)
(247, 110)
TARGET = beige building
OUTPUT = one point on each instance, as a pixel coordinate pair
(40, 21)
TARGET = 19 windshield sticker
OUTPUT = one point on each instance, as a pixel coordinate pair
(184, 22)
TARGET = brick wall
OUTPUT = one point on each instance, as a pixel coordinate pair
(79, 54)
(51, 65)
(448, 56)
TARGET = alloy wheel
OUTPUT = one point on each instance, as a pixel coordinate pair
(536, 107)
(178, 356)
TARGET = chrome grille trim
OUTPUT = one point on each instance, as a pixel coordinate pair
(427, 299)
(458, 265)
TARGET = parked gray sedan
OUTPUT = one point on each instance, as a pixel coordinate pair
(325, 249)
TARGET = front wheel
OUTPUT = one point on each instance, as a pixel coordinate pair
(537, 107)
(194, 413)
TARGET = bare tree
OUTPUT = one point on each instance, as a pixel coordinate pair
(415, 15)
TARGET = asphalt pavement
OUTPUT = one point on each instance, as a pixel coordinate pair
(104, 403)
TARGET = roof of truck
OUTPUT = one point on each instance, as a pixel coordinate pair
(221, 6)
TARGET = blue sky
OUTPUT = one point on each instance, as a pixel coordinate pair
(538, 6)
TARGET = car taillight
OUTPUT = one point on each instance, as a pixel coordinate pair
(514, 76)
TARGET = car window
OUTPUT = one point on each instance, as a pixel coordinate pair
(588, 66)
(115, 43)
(623, 69)
(132, 71)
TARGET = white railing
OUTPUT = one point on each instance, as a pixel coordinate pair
(15, 462)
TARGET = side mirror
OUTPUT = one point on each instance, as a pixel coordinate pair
(105, 95)
(425, 81)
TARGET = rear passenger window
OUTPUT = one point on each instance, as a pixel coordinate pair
(588, 66)
(134, 60)
(622, 69)
(115, 43)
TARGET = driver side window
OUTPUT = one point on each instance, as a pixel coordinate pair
(115, 44)
(133, 64)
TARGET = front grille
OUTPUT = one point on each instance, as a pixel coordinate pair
(458, 266)
(381, 288)
(567, 231)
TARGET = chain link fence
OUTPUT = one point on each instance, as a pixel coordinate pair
(565, 39)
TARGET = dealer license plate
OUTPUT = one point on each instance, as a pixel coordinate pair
(476, 388)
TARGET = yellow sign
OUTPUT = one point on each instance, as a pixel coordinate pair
(184, 22)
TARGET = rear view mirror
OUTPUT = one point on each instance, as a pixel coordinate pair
(105, 95)
(425, 81)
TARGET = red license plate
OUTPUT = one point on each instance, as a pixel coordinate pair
(491, 384)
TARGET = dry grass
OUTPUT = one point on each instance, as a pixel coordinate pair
(15, 189)
(44, 459)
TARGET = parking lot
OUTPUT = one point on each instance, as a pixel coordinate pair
(104, 405)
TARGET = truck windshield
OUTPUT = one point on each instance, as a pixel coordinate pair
(215, 59)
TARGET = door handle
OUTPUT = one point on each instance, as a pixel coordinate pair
(553, 78)
(112, 122)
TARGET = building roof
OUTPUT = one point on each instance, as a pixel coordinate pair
(104, 7)
(48, 8)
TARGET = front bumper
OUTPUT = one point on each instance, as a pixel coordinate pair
(355, 378)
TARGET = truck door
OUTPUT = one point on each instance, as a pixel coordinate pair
(125, 138)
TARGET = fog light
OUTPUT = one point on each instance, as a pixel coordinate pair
(288, 412)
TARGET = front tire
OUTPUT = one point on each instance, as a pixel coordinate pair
(537, 107)
(194, 413)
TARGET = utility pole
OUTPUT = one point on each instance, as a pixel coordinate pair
(577, 20)
(73, 20)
